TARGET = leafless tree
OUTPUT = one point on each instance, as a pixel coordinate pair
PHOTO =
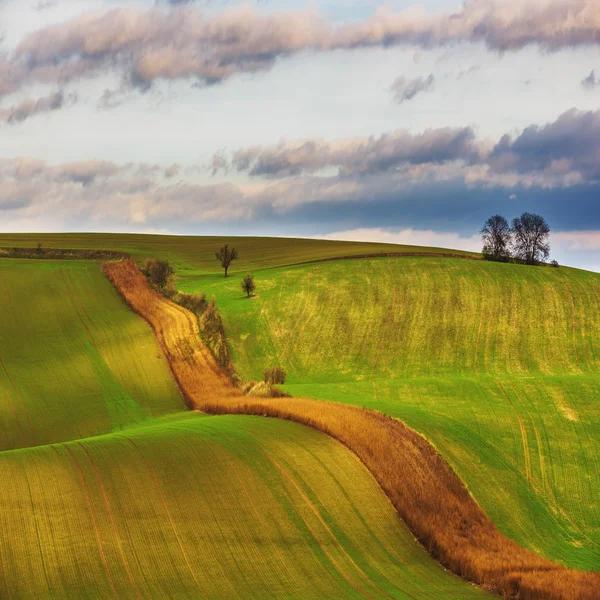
(530, 238)
(226, 256)
(496, 235)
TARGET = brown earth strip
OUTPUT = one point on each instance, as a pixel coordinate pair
(427, 494)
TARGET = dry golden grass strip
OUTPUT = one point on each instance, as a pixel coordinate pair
(424, 490)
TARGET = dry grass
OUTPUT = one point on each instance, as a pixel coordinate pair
(425, 492)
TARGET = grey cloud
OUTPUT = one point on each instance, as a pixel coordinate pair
(29, 107)
(145, 45)
(356, 156)
(562, 153)
(569, 145)
(406, 89)
(590, 82)
(85, 172)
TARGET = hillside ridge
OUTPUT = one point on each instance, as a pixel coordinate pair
(427, 494)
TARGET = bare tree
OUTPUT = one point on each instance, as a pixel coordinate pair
(530, 238)
(248, 284)
(225, 256)
(496, 235)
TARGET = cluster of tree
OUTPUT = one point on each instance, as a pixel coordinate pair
(524, 240)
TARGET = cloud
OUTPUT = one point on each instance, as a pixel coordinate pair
(566, 148)
(353, 156)
(406, 89)
(577, 240)
(144, 45)
(562, 153)
(590, 82)
(513, 197)
(29, 107)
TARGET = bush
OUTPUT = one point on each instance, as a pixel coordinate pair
(555, 264)
(195, 303)
(275, 375)
(158, 272)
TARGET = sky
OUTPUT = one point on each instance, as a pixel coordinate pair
(342, 119)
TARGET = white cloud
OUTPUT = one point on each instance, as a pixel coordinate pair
(576, 240)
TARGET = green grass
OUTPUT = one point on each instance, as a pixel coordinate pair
(497, 365)
(206, 507)
(196, 255)
(74, 360)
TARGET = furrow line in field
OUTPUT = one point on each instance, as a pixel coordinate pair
(166, 508)
(316, 537)
(22, 402)
(93, 518)
(111, 518)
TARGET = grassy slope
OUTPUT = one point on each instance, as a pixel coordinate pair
(206, 507)
(498, 365)
(196, 255)
(186, 506)
(74, 361)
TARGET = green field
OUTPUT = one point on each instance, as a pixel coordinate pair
(498, 365)
(206, 507)
(196, 255)
(169, 504)
(74, 360)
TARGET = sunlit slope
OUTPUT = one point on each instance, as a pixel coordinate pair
(206, 507)
(195, 255)
(74, 360)
(498, 365)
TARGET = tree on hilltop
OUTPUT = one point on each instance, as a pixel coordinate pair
(496, 235)
(530, 238)
(226, 256)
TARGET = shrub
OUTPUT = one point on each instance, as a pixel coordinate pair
(555, 264)
(275, 375)
(195, 303)
(159, 272)
(248, 285)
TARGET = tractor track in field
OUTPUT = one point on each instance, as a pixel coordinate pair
(427, 494)
(388, 323)
(524, 439)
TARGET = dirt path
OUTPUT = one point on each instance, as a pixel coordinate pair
(427, 494)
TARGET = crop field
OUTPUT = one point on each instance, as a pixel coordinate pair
(168, 504)
(497, 365)
(196, 255)
(206, 507)
(74, 360)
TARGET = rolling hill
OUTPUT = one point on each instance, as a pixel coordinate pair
(110, 490)
(74, 361)
(497, 365)
(206, 507)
